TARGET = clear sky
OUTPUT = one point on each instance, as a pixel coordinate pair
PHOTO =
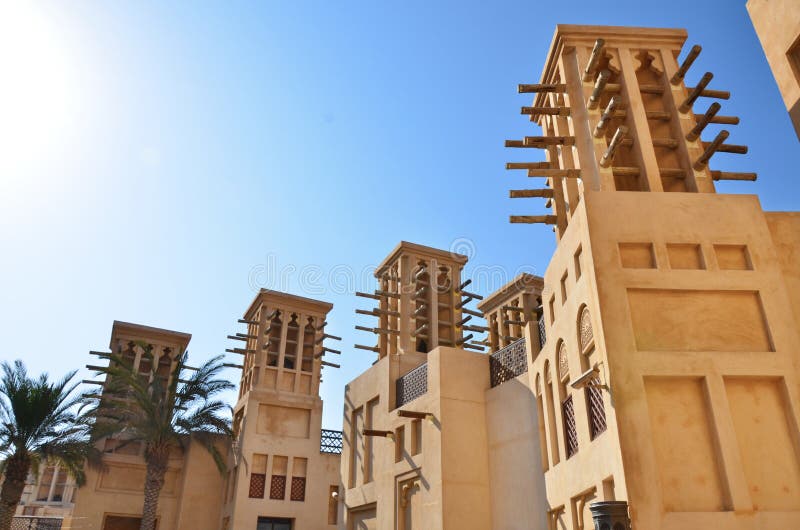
(161, 161)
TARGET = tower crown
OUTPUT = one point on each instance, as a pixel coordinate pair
(617, 115)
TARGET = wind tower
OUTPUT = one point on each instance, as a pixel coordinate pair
(421, 303)
(669, 375)
(285, 466)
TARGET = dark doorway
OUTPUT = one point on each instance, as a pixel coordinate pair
(272, 523)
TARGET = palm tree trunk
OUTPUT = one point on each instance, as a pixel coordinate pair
(153, 482)
(17, 468)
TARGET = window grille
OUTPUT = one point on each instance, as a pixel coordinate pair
(330, 442)
(507, 363)
(298, 492)
(412, 385)
(277, 488)
(570, 431)
(258, 482)
(597, 411)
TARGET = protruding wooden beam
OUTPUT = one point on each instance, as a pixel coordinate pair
(244, 321)
(464, 339)
(694, 93)
(703, 121)
(594, 60)
(102, 354)
(701, 162)
(464, 284)
(669, 143)
(716, 94)
(724, 120)
(239, 351)
(477, 329)
(547, 87)
(365, 312)
(96, 368)
(387, 294)
(686, 64)
(321, 326)
(529, 219)
(729, 148)
(414, 414)
(546, 193)
(90, 382)
(560, 173)
(529, 165)
(420, 330)
(472, 312)
(232, 365)
(549, 111)
(376, 432)
(728, 175)
(332, 365)
(368, 295)
(608, 114)
(421, 309)
(246, 336)
(368, 348)
(533, 141)
(471, 295)
(608, 156)
(599, 86)
(472, 346)
(234, 337)
(419, 293)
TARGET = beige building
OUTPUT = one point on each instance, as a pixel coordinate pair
(648, 380)
(283, 467)
(651, 375)
(777, 23)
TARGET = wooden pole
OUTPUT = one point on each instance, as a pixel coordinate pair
(528, 219)
(524, 194)
(547, 87)
(605, 161)
(531, 141)
(686, 64)
(549, 111)
(529, 165)
(704, 120)
(608, 113)
(686, 106)
(730, 148)
(726, 175)
(599, 86)
(594, 60)
(701, 162)
(561, 173)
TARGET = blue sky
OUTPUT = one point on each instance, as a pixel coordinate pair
(165, 160)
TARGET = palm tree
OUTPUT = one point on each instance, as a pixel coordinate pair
(40, 420)
(162, 413)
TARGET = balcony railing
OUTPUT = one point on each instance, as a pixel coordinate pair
(36, 523)
(507, 363)
(331, 442)
(412, 385)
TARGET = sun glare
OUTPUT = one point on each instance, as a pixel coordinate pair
(37, 90)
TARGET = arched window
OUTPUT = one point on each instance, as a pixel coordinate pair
(567, 406)
(540, 421)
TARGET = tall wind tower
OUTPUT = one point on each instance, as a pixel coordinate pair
(669, 375)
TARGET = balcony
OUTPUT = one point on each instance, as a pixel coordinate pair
(331, 442)
(36, 523)
(412, 385)
(509, 362)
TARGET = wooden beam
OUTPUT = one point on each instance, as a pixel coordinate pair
(701, 162)
(685, 65)
(376, 432)
(332, 365)
(558, 173)
(597, 91)
(529, 165)
(549, 111)
(530, 141)
(414, 414)
(729, 148)
(546, 193)
(728, 175)
(607, 115)
(547, 87)
(253, 322)
(528, 219)
(368, 348)
(594, 60)
(694, 93)
(608, 156)
(703, 121)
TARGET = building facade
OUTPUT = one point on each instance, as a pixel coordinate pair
(649, 379)
(777, 23)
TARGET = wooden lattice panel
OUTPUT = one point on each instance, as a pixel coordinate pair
(570, 430)
(563, 363)
(298, 492)
(277, 489)
(258, 483)
(508, 363)
(597, 410)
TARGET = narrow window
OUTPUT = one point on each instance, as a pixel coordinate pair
(416, 437)
(577, 260)
(298, 491)
(564, 287)
(258, 476)
(399, 443)
(333, 504)
(277, 487)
